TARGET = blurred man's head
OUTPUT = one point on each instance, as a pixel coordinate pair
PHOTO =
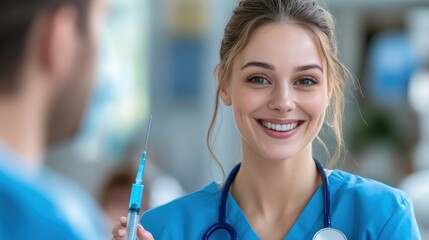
(47, 54)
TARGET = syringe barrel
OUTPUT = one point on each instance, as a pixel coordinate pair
(133, 221)
(136, 196)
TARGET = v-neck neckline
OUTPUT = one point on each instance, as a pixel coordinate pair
(310, 218)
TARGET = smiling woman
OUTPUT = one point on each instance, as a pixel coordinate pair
(280, 74)
(274, 88)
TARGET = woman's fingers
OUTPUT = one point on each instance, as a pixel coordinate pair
(123, 221)
(119, 231)
(142, 234)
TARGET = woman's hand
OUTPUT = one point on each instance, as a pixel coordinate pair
(119, 231)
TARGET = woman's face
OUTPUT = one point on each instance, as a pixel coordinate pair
(278, 91)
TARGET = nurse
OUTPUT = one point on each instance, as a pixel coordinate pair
(280, 74)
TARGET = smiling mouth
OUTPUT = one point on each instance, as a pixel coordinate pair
(281, 127)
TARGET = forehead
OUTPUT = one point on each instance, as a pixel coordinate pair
(282, 44)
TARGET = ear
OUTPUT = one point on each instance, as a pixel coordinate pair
(224, 89)
(60, 41)
(224, 94)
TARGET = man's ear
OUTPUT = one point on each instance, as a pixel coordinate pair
(224, 89)
(60, 39)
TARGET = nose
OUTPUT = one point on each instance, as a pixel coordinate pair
(282, 99)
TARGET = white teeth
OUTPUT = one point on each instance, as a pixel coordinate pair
(280, 127)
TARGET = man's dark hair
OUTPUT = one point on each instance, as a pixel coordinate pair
(16, 20)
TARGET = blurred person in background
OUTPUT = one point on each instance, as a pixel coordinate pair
(159, 187)
(48, 53)
(280, 74)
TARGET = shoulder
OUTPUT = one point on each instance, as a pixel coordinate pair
(200, 200)
(367, 189)
(28, 214)
(379, 210)
(190, 210)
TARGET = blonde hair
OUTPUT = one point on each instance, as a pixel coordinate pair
(251, 14)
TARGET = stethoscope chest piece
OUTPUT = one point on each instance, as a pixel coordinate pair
(329, 234)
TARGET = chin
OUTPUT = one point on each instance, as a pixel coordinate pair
(284, 152)
(280, 155)
(60, 137)
(64, 125)
(74, 125)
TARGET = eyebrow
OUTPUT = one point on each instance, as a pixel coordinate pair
(307, 67)
(272, 68)
(258, 64)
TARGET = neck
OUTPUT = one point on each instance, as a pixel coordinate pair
(22, 125)
(269, 190)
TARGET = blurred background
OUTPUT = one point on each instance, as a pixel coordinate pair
(158, 58)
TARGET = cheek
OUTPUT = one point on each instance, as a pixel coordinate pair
(314, 104)
(245, 101)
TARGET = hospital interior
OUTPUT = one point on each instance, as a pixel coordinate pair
(158, 58)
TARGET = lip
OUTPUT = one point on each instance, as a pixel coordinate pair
(280, 121)
(278, 134)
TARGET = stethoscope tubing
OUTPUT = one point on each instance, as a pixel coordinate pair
(326, 195)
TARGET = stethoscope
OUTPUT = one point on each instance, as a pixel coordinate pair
(326, 233)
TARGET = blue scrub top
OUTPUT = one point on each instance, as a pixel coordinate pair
(361, 208)
(25, 212)
(39, 204)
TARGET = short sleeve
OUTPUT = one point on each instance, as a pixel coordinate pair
(402, 224)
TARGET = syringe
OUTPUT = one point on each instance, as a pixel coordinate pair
(136, 194)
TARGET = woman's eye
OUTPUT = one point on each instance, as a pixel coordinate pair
(306, 82)
(258, 80)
